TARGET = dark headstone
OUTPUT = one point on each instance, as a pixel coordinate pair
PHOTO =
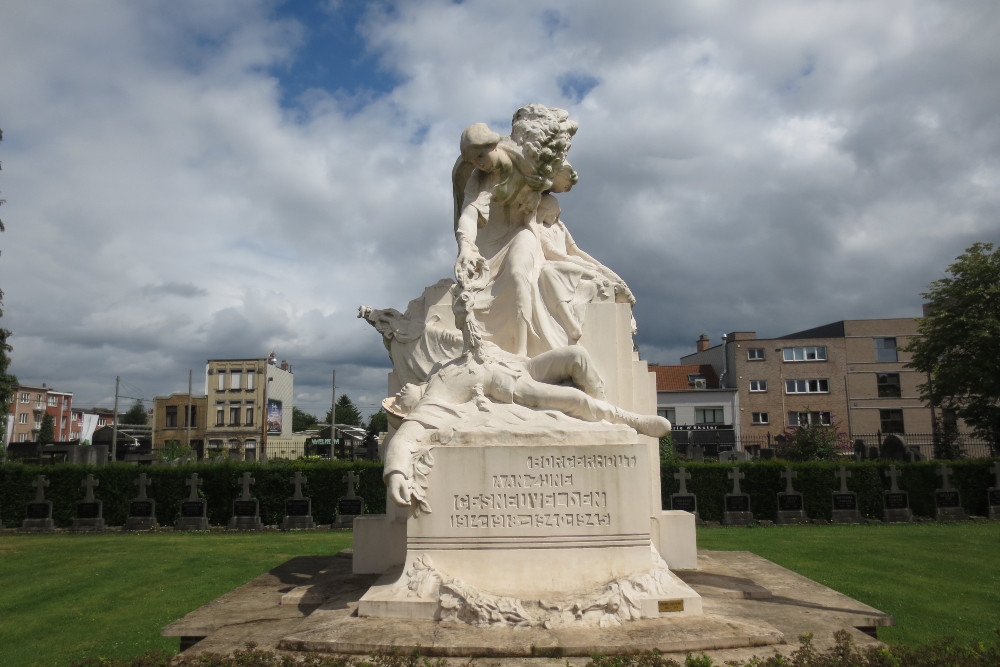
(791, 508)
(142, 509)
(993, 493)
(894, 448)
(39, 512)
(895, 503)
(859, 450)
(683, 500)
(246, 508)
(737, 504)
(89, 511)
(947, 502)
(194, 510)
(845, 502)
(351, 505)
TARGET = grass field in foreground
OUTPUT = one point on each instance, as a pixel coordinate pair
(68, 597)
(937, 580)
(64, 598)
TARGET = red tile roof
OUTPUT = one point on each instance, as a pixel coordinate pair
(673, 378)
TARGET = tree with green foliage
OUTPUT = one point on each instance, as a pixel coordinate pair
(135, 416)
(815, 442)
(347, 412)
(378, 422)
(8, 383)
(302, 420)
(47, 432)
(957, 347)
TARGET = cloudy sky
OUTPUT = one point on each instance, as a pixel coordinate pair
(189, 180)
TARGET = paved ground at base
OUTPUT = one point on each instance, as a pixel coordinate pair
(307, 604)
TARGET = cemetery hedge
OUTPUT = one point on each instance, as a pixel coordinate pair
(816, 481)
(220, 486)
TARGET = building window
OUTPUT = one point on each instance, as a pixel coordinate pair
(888, 385)
(25, 398)
(807, 387)
(249, 412)
(804, 353)
(670, 414)
(755, 354)
(171, 417)
(758, 385)
(54, 401)
(250, 444)
(806, 418)
(222, 381)
(234, 445)
(22, 437)
(220, 414)
(22, 418)
(891, 421)
(885, 349)
(192, 419)
(234, 415)
(236, 380)
(250, 375)
(709, 416)
(101, 421)
(760, 418)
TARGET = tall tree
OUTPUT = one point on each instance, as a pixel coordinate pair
(957, 348)
(136, 415)
(378, 422)
(47, 433)
(347, 412)
(8, 383)
(302, 420)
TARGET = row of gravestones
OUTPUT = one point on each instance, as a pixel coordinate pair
(895, 501)
(194, 511)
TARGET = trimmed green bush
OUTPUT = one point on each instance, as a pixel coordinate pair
(220, 486)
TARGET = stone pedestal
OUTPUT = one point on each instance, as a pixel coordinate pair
(193, 515)
(246, 515)
(38, 517)
(737, 510)
(896, 506)
(791, 509)
(141, 514)
(845, 507)
(89, 516)
(948, 506)
(298, 514)
(511, 526)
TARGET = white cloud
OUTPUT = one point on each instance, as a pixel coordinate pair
(763, 167)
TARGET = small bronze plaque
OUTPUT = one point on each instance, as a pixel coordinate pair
(670, 605)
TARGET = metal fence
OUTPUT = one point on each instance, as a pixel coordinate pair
(899, 446)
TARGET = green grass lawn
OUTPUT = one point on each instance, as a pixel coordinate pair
(937, 580)
(64, 598)
(68, 597)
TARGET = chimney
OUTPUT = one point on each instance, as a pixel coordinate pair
(702, 342)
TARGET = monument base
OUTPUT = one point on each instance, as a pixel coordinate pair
(897, 515)
(544, 536)
(846, 516)
(245, 523)
(790, 518)
(87, 525)
(950, 514)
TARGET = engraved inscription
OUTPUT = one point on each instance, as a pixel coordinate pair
(582, 461)
(664, 606)
(556, 479)
(546, 520)
(540, 500)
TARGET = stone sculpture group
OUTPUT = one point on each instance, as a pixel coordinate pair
(521, 368)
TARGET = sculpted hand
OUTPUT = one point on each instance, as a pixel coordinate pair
(399, 489)
(471, 270)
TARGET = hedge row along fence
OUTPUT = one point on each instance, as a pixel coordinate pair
(221, 485)
(816, 481)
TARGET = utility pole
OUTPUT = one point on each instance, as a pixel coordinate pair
(114, 428)
(333, 415)
(189, 417)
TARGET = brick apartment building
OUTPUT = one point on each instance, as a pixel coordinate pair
(850, 372)
(30, 406)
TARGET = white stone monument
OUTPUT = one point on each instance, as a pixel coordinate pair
(522, 468)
